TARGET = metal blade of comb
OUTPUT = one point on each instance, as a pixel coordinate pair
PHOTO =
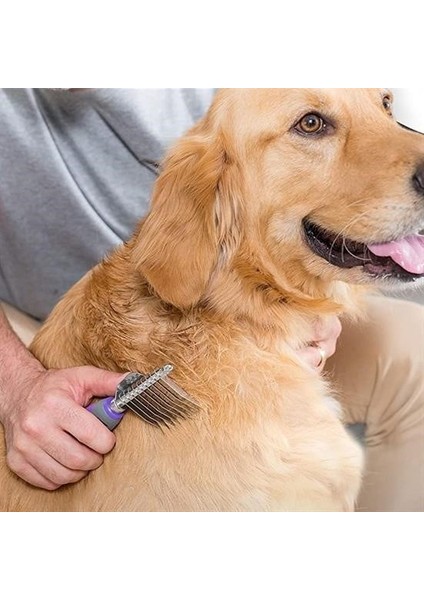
(164, 387)
(132, 386)
(142, 408)
(140, 412)
(160, 406)
(155, 398)
(135, 383)
(163, 393)
(169, 387)
(165, 402)
(135, 398)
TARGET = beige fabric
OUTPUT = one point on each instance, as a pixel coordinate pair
(379, 370)
(23, 325)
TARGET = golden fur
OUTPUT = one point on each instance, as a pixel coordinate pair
(218, 281)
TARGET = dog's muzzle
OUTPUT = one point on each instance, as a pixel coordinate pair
(401, 259)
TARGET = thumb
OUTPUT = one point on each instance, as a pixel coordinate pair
(98, 382)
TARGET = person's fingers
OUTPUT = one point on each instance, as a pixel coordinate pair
(327, 329)
(48, 428)
(87, 429)
(320, 356)
(26, 472)
(312, 356)
(58, 428)
(325, 348)
(53, 471)
(51, 438)
(67, 451)
(96, 382)
(326, 333)
(40, 469)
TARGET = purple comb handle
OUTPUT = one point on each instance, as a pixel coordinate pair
(104, 410)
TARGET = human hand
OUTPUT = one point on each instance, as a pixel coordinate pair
(51, 439)
(323, 344)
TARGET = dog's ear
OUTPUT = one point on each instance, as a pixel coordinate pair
(193, 220)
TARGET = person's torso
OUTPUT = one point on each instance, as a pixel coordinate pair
(76, 173)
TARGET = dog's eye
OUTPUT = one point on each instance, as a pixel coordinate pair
(311, 124)
(387, 103)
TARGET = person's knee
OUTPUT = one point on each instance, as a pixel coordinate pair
(397, 401)
(379, 363)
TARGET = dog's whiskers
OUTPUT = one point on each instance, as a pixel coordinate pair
(351, 253)
(345, 229)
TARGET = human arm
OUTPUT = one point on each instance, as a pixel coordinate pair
(51, 439)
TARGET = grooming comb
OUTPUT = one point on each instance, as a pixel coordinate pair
(155, 398)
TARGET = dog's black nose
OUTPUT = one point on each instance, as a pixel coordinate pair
(418, 179)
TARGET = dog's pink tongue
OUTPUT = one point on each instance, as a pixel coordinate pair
(408, 253)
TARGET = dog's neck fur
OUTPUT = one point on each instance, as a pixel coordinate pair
(246, 289)
(269, 298)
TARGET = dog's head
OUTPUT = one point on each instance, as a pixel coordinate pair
(288, 189)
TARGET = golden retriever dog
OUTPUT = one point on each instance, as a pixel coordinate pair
(280, 207)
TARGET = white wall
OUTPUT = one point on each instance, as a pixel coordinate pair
(409, 107)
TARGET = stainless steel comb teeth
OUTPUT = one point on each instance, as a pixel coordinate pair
(155, 398)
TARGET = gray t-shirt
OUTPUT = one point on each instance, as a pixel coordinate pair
(76, 172)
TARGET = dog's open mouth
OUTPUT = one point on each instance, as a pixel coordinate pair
(402, 259)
